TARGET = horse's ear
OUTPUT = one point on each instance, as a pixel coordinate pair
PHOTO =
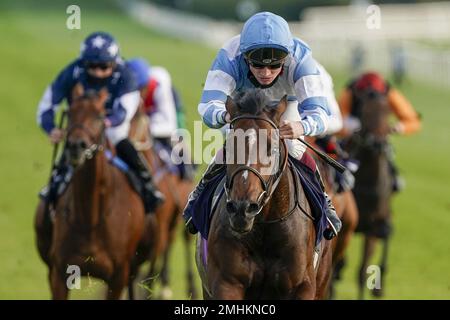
(231, 107)
(280, 109)
(77, 91)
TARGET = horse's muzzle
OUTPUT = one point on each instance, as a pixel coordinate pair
(242, 214)
(75, 151)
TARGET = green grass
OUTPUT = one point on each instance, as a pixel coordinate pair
(36, 45)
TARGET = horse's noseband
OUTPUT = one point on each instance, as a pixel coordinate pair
(269, 186)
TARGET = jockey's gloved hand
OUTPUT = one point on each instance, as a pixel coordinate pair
(291, 129)
(56, 135)
(398, 128)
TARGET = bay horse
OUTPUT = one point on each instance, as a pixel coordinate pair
(161, 228)
(99, 220)
(373, 182)
(262, 238)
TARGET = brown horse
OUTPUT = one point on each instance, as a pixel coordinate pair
(373, 182)
(161, 228)
(347, 210)
(262, 238)
(99, 220)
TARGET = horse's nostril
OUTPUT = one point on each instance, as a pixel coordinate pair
(83, 145)
(231, 207)
(253, 207)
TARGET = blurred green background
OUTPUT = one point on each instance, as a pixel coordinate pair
(36, 45)
(289, 9)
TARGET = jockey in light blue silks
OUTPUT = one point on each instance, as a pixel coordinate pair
(99, 66)
(266, 56)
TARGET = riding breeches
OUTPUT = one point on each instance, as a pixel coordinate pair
(120, 132)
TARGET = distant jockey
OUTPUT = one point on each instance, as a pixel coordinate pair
(99, 66)
(408, 119)
(162, 104)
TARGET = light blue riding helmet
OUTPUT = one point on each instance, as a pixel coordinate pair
(266, 30)
(140, 69)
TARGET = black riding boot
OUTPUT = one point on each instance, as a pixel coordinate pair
(334, 222)
(61, 176)
(210, 172)
(151, 195)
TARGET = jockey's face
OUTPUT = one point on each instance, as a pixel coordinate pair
(100, 70)
(265, 76)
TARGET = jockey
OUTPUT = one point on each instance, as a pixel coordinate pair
(266, 56)
(350, 105)
(100, 65)
(161, 103)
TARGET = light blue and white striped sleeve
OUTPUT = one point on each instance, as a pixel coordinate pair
(312, 101)
(220, 82)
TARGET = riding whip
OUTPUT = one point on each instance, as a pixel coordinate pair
(339, 167)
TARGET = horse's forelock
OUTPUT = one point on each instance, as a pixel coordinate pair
(252, 101)
(87, 102)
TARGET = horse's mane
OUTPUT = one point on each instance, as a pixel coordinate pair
(252, 101)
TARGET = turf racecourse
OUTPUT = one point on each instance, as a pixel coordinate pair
(36, 44)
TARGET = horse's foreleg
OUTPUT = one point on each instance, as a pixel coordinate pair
(324, 273)
(118, 282)
(378, 291)
(131, 278)
(43, 229)
(349, 223)
(166, 292)
(226, 291)
(192, 292)
(58, 285)
(149, 281)
(369, 246)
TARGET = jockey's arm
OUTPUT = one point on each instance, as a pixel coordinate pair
(313, 105)
(409, 121)
(164, 119)
(52, 98)
(123, 108)
(220, 83)
(126, 101)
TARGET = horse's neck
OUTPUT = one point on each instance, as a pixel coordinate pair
(89, 184)
(281, 201)
(371, 166)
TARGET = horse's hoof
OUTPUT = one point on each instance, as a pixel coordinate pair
(377, 293)
(166, 293)
(193, 295)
